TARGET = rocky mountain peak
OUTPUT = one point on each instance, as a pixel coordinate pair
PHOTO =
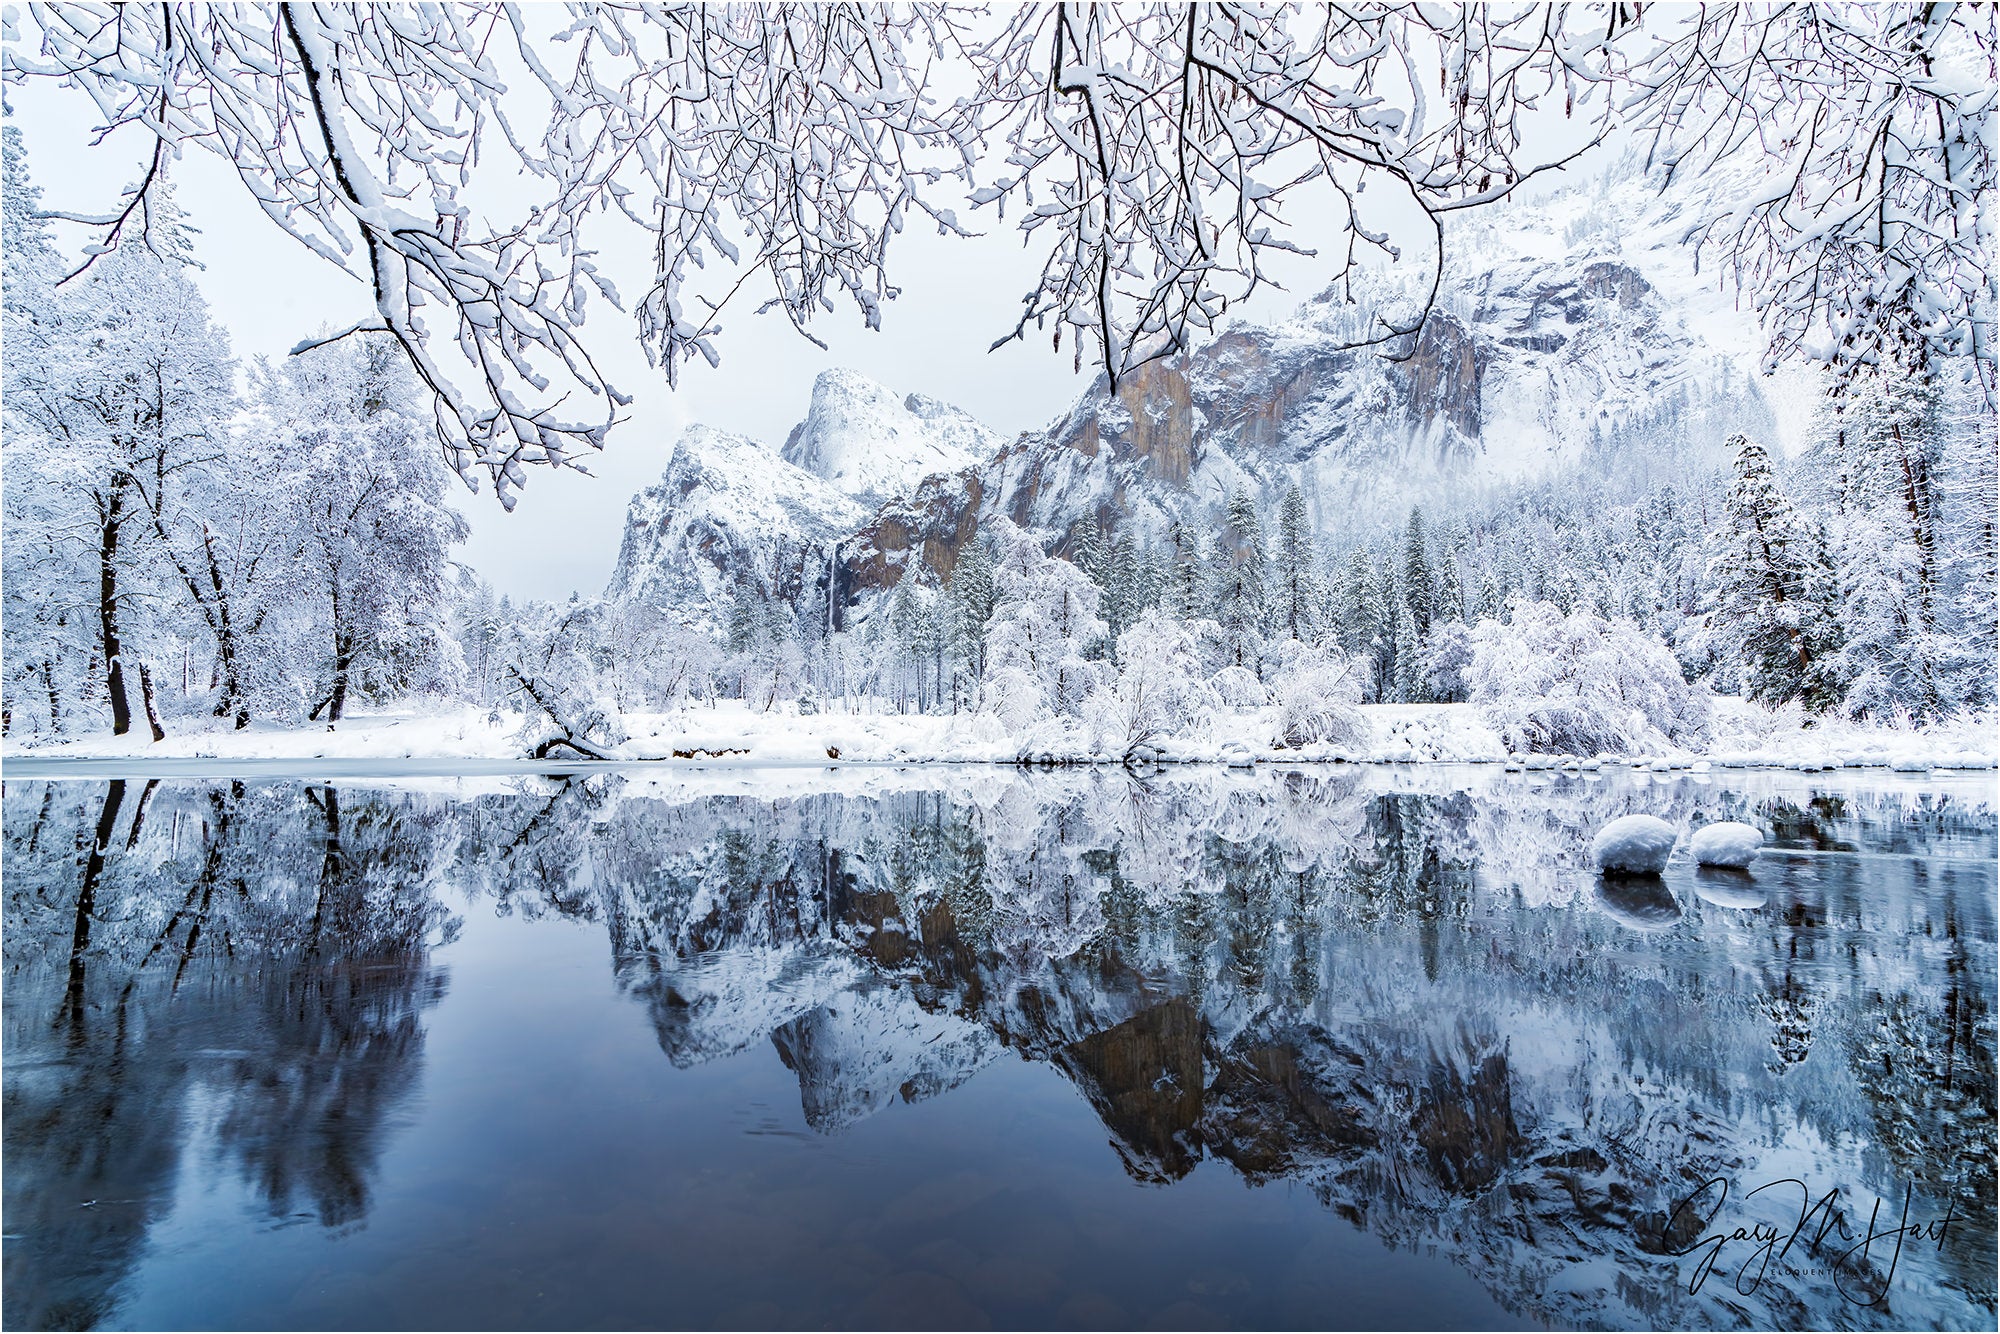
(871, 445)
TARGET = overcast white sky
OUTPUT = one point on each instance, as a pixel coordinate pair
(958, 297)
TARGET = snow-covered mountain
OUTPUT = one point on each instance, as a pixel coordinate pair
(1566, 329)
(869, 444)
(730, 512)
(727, 513)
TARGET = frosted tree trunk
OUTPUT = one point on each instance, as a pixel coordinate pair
(55, 696)
(111, 518)
(343, 666)
(225, 639)
(152, 709)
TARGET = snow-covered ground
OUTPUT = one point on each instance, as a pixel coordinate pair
(731, 733)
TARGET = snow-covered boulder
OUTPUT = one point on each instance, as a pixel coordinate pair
(1727, 843)
(1633, 845)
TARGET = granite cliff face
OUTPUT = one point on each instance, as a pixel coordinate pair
(728, 514)
(1558, 326)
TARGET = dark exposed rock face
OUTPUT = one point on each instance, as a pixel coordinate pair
(1443, 375)
(1144, 1076)
(930, 528)
(1465, 1123)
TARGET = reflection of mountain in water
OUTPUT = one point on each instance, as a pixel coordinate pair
(242, 967)
(1403, 992)
(1419, 1004)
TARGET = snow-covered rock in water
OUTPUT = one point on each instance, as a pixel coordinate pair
(1634, 845)
(871, 445)
(1727, 843)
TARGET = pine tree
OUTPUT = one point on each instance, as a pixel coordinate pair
(742, 620)
(1187, 593)
(1385, 606)
(1419, 593)
(1354, 620)
(1492, 602)
(1296, 594)
(969, 606)
(1125, 590)
(1774, 589)
(1450, 593)
(1240, 592)
(1971, 534)
(1088, 552)
(1408, 655)
(1900, 652)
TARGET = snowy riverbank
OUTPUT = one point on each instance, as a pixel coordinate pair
(730, 733)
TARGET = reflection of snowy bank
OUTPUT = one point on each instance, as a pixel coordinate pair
(731, 734)
(1401, 990)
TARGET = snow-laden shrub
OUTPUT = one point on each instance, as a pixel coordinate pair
(1579, 684)
(1015, 697)
(1157, 694)
(1044, 621)
(1239, 688)
(1318, 697)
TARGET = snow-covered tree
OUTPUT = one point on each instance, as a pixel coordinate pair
(1407, 678)
(1150, 147)
(1447, 660)
(365, 494)
(49, 580)
(1355, 621)
(969, 601)
(1900, 653)
(116, 388)
(554, 676)
(1240, 582)
(1044, 621)
(1296, 596)
(1126, 595)
(1419, 588)
(1317, 697)
(1189, 593)
(1159, 691)
(1775, 600)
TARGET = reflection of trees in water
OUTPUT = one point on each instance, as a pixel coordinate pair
(1419, 1004)
(245, 963)
(1414, 1001)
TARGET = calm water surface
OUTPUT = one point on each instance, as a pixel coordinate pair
(1341, 1048)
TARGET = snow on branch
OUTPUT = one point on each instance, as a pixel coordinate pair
(1159, 143)
(1161, 155)
(1850, 151)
